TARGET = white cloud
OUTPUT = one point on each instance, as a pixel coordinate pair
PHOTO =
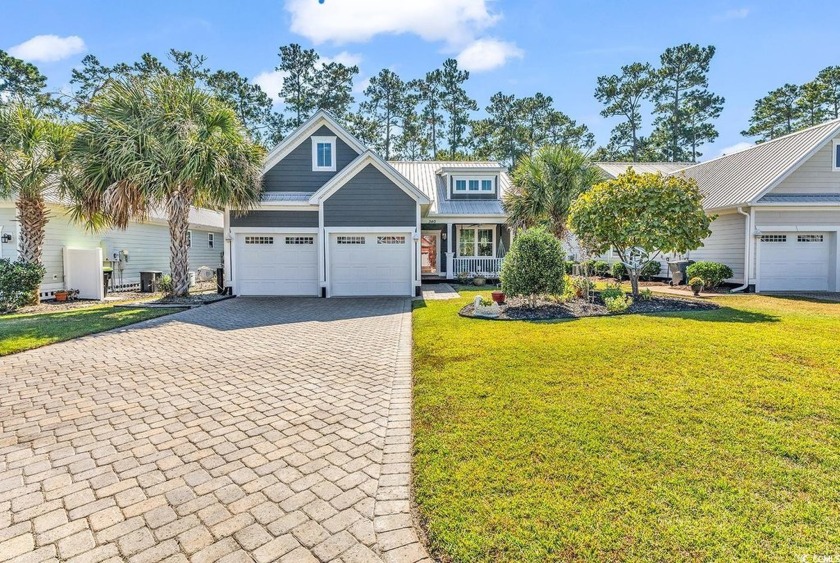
(271, 82)
(737, 147)
(342, 21)
(48, 48)
(488, 54)
(345, 58)
(734, 14)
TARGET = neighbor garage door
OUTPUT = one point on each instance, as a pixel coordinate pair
(371, 264)
(794, 261)
(277, 264)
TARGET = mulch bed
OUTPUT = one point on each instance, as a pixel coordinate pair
(517, 309)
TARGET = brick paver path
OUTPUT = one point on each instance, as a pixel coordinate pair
(249, 430)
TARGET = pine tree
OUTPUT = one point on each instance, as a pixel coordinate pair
(456, 105)
(622, 96)
(775, 114)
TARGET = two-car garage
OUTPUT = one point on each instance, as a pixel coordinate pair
(357, 264)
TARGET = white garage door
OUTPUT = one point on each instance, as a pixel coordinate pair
(277, 264)
(794, 261)
(371, 264)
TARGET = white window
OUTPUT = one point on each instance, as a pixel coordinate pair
(773, 238)
(189, 239)
(466, 185)
(390, 240)
(350, 240)
(300, 240)
(835, 156)
(476, 241)
(809, 238)
(211, 240)
(259, 240)
(323, 154)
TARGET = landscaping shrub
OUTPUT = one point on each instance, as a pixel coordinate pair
(618, 304)
(611, 291)
(165, 284)
(651, 269)
(18, 283)
(712, 273)
(646, 294)
(579, 286)
(601, 268)
(534, 266)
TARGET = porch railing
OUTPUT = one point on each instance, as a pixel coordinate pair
(487, 266)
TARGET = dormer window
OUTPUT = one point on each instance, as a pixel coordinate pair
(323, 154)
(835, 157)
(473, 185)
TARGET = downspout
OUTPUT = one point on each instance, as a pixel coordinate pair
(747, 250)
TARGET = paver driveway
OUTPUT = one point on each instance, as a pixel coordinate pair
(253, 429)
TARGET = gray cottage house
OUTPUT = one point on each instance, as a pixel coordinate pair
(335, 219)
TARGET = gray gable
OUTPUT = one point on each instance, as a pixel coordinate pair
(370, 199)
(294, 173)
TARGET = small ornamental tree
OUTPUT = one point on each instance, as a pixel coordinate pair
(534, 266)
(641, 216)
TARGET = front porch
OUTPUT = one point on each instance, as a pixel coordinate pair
(451, 250)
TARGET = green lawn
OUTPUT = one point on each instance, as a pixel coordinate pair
(706, 436)
(24, 332)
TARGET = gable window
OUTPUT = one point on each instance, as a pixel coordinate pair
(473, 185)
(211, 240)
(189, 239)
(476, 241)
(835, 163)
(323, 154)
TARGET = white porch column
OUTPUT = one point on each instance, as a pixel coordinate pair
(450, 255)
(227, 249)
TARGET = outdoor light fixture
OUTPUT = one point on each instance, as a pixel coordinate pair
(6, 237)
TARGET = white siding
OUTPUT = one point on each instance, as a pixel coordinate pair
(814, 176)
(147, 245)
(200, 252)
(725, 245)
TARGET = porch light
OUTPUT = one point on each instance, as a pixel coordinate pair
(6, 237)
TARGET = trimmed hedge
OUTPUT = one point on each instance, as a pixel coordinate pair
(712, 273)
(651, 269)
(18, 283)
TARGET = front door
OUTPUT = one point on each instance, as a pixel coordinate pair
(430, 252)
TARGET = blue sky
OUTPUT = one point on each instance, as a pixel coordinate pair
(555, 47)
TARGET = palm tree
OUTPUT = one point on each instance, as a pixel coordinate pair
(162, 142)
(34, 152)
(545, 185)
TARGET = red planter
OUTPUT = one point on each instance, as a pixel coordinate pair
(498, 297)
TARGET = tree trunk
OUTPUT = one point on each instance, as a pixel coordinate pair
(634, 281)
(179, 226)
(33, 217)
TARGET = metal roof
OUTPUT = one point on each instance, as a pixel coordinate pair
(424, 175)
(742, 177)
(613, 169)
(286, 196)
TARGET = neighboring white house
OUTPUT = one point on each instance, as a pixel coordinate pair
(777, 207)
(71, 254)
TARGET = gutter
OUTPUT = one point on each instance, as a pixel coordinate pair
(747, 250)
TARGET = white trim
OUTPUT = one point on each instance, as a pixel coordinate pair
(227, 246)
(476, 228)
(322, 250)
(369, 230)
(211, 240)
(296, 137)
(764, 229)
(324, 140)
(349, 171)
(431, 218)
(273, 230)
(834, 146)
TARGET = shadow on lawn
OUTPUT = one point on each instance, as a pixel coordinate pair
(722, 315)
